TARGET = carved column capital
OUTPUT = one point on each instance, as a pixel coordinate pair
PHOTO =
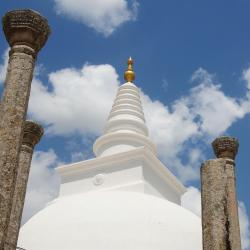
(225, 147)
(26, 27)
(32, 134)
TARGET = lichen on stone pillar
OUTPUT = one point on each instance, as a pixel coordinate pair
(31, 136)
(26, 32)
(220, 223)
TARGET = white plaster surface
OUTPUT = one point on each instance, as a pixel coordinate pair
(137, 170)
(125, 128)
(115, 220)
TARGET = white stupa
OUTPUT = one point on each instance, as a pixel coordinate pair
(124, 199)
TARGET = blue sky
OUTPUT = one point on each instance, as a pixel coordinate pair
(191, 59)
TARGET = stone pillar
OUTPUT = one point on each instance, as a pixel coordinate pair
(26, 31)
(220, 223)
(32, 135)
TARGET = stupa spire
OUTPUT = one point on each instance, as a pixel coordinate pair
(129, 74)
(125, 128)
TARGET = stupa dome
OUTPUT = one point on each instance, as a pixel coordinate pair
(112, 221)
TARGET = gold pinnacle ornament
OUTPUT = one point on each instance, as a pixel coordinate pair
(129, 74)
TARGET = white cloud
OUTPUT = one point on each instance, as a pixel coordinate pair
(244, 226)
(43, 183)
(201, 75)
(77, 156)
(102, 15)
(3, 66)
(203, 114)
(246, 77)
(80, 100)
(166, 130)
(216, 111)
(165, 84)
(165, 126)
(191, 200)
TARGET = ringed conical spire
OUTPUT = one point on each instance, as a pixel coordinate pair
(129, 74)
(125, 128)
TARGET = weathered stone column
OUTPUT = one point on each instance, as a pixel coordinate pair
(26, 31)
(31, 136)
(220, 223)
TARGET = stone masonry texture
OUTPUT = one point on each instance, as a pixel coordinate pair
(26, 32)
(32, 134)
(220, 223)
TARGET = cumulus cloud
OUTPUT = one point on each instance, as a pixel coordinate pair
(3, 66)
(166, 129)
(244, 226)
(102, 15)
(246, 77)
(43, 183)
(215, 110)
(204, 113)
(191, 200)
(80, 99)
(201, 75)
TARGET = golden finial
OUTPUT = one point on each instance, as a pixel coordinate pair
(129, 74)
